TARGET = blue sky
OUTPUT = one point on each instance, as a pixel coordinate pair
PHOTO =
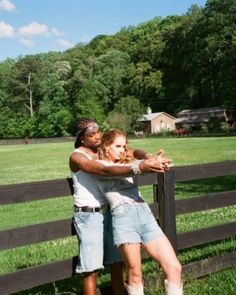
(35, 26)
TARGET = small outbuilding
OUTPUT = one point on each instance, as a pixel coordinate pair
(157, 122)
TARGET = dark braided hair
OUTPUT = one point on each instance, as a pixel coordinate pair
(81, 128)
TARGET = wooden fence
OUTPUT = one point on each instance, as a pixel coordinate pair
(165, 207)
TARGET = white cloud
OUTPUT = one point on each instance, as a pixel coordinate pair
(33, 28)
(58, 33)
(27, 42)
(7, 5)
(64, 43)
(6, 30)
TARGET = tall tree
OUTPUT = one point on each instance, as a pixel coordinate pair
(88, 102)
(27, 79)
(54, 117)
(110, 71)
(130, 109)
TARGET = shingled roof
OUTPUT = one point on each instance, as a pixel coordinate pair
(151, 116)
(199, 115)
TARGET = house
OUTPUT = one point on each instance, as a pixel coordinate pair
(157, 122)
(196, 117)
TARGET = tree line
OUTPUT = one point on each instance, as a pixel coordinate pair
(169, 64)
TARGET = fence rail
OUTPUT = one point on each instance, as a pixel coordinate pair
(165, 208)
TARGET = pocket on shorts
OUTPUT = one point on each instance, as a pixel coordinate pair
(118, 211)
(82, 217)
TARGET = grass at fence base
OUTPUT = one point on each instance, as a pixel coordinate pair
(216, 284)
(25, 163)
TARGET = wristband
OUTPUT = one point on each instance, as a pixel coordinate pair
(148, 155)
(135, 167)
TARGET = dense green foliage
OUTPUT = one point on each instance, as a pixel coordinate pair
(169, 64)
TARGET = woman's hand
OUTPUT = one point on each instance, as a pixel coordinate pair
(165, 161)
(155, 165)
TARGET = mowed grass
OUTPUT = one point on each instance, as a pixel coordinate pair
(35, 162)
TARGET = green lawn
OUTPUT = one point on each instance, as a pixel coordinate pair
(26, 163)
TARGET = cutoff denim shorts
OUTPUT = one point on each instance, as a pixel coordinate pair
(95, 238)
(111, 252)
(134, 223)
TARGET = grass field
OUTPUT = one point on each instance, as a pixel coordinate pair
(26, 163)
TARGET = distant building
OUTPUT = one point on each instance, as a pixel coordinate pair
(157, 122)
(196, 117)
(230, 116)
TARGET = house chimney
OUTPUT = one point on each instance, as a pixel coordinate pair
(149, 110)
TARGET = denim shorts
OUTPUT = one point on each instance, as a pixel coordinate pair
(96, 246)
(134, 223)
(111, 252)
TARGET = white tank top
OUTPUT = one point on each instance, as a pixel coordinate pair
(86, 191)
(119, 190)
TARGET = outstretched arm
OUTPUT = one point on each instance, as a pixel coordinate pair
(141, 154)
(81, 162)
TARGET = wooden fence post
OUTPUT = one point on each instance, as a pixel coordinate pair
(166, 206)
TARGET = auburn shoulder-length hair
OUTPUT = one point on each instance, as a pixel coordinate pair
(107, 139)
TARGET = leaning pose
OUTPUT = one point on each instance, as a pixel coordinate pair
(91, 222)
(132, 220)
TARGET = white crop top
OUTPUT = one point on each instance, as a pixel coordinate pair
(86, 191)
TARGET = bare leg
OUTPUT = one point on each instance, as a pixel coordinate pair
(90, 283)
(132, 256)
(161, 250)
(118, 278)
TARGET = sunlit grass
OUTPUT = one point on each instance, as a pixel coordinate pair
(188, 151)
(26, 163)
(35, 212)
(32, 255)
(35, 162)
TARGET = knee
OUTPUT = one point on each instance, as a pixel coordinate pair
(178, 267)
(174, 268)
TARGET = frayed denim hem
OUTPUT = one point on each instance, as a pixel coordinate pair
(79, 270)
(127, 243)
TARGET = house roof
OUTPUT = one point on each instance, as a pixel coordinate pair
(151, 116)
(202, 110)
(196, 116)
